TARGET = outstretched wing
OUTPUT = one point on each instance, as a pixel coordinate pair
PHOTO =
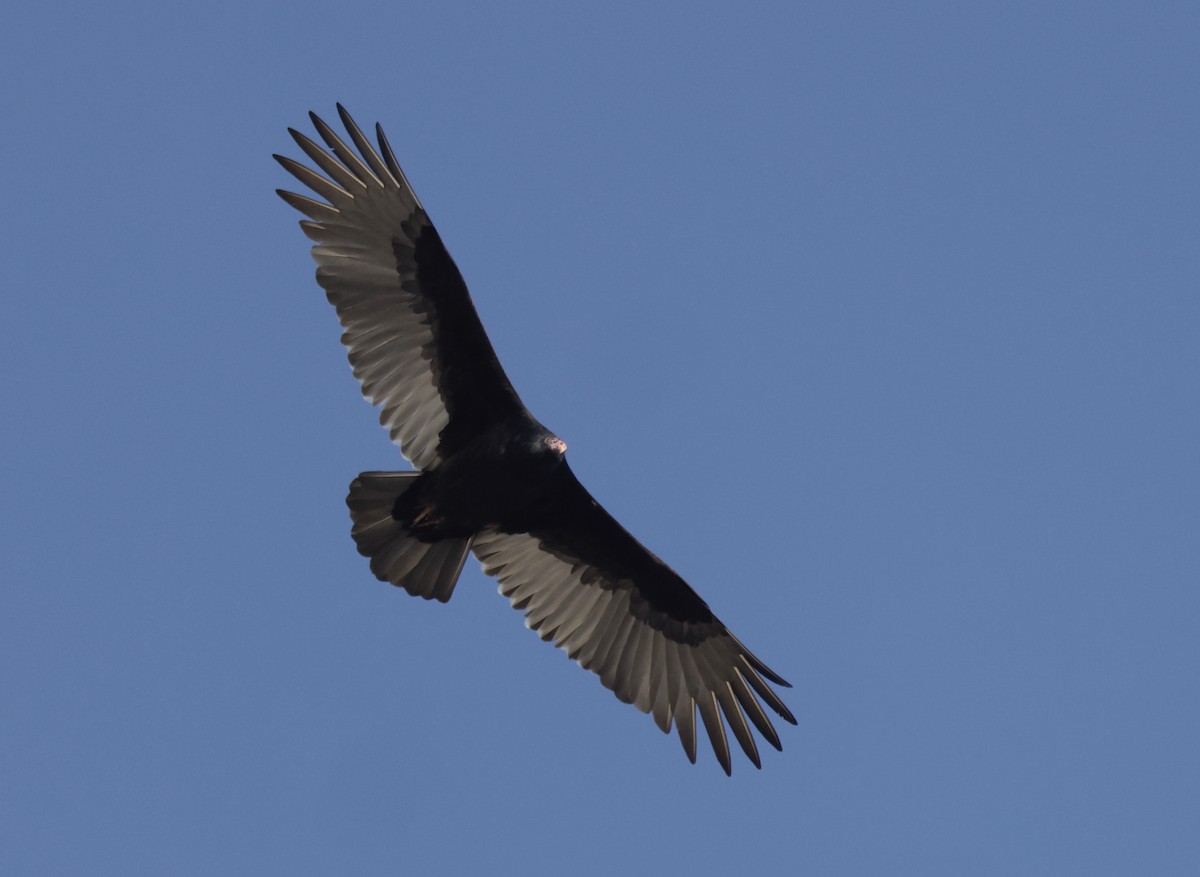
(414, 338)
(588, 586)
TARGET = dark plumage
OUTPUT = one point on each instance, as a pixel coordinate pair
(492, 479)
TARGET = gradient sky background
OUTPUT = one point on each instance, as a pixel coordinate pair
(880, 322)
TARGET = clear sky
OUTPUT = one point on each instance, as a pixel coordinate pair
(879, 322)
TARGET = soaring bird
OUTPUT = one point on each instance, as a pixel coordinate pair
(489, 477)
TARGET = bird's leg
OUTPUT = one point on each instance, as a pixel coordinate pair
(425, 519)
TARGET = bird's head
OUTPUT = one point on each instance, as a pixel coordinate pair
(555, 444)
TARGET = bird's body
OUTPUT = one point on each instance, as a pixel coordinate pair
(492, 479)
(504, 478)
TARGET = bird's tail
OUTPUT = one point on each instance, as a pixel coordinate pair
(424, 569)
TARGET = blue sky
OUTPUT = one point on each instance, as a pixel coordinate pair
(878, 322)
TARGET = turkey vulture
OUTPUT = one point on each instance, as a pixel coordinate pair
(490, 478)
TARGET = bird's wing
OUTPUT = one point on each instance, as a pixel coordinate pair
(585, 584)
(414, 338)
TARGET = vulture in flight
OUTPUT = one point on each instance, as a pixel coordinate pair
(490, 478)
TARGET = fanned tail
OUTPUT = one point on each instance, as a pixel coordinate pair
(424, 569)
